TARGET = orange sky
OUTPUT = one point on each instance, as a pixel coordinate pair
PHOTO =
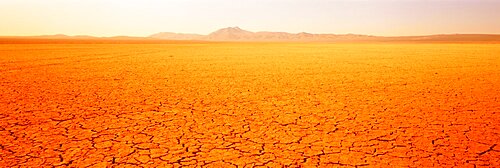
(142, 18)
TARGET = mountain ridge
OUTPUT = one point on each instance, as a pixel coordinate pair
(238, 34)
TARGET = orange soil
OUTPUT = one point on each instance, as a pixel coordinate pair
(249, 104)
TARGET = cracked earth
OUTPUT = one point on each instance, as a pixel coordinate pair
(249, 105)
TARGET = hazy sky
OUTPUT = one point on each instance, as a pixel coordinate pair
(145, 17)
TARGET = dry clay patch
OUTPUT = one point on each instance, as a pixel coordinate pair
(248, 105)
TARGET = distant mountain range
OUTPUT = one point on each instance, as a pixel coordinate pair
(238, 34)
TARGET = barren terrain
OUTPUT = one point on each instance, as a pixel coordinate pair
(249, 104)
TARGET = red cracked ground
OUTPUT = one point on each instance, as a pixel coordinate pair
(249, 105)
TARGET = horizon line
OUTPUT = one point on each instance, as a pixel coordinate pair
(147, 36)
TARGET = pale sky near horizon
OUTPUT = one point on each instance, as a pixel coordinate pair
(146, 17)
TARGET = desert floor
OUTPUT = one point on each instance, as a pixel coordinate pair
(250, 104)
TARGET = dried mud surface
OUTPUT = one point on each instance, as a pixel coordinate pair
(249, 105)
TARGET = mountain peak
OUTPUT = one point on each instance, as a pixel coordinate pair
(230, 33)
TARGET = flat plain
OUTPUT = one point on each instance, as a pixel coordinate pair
(250, 104)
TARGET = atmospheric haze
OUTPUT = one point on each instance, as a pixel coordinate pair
(142, 18)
